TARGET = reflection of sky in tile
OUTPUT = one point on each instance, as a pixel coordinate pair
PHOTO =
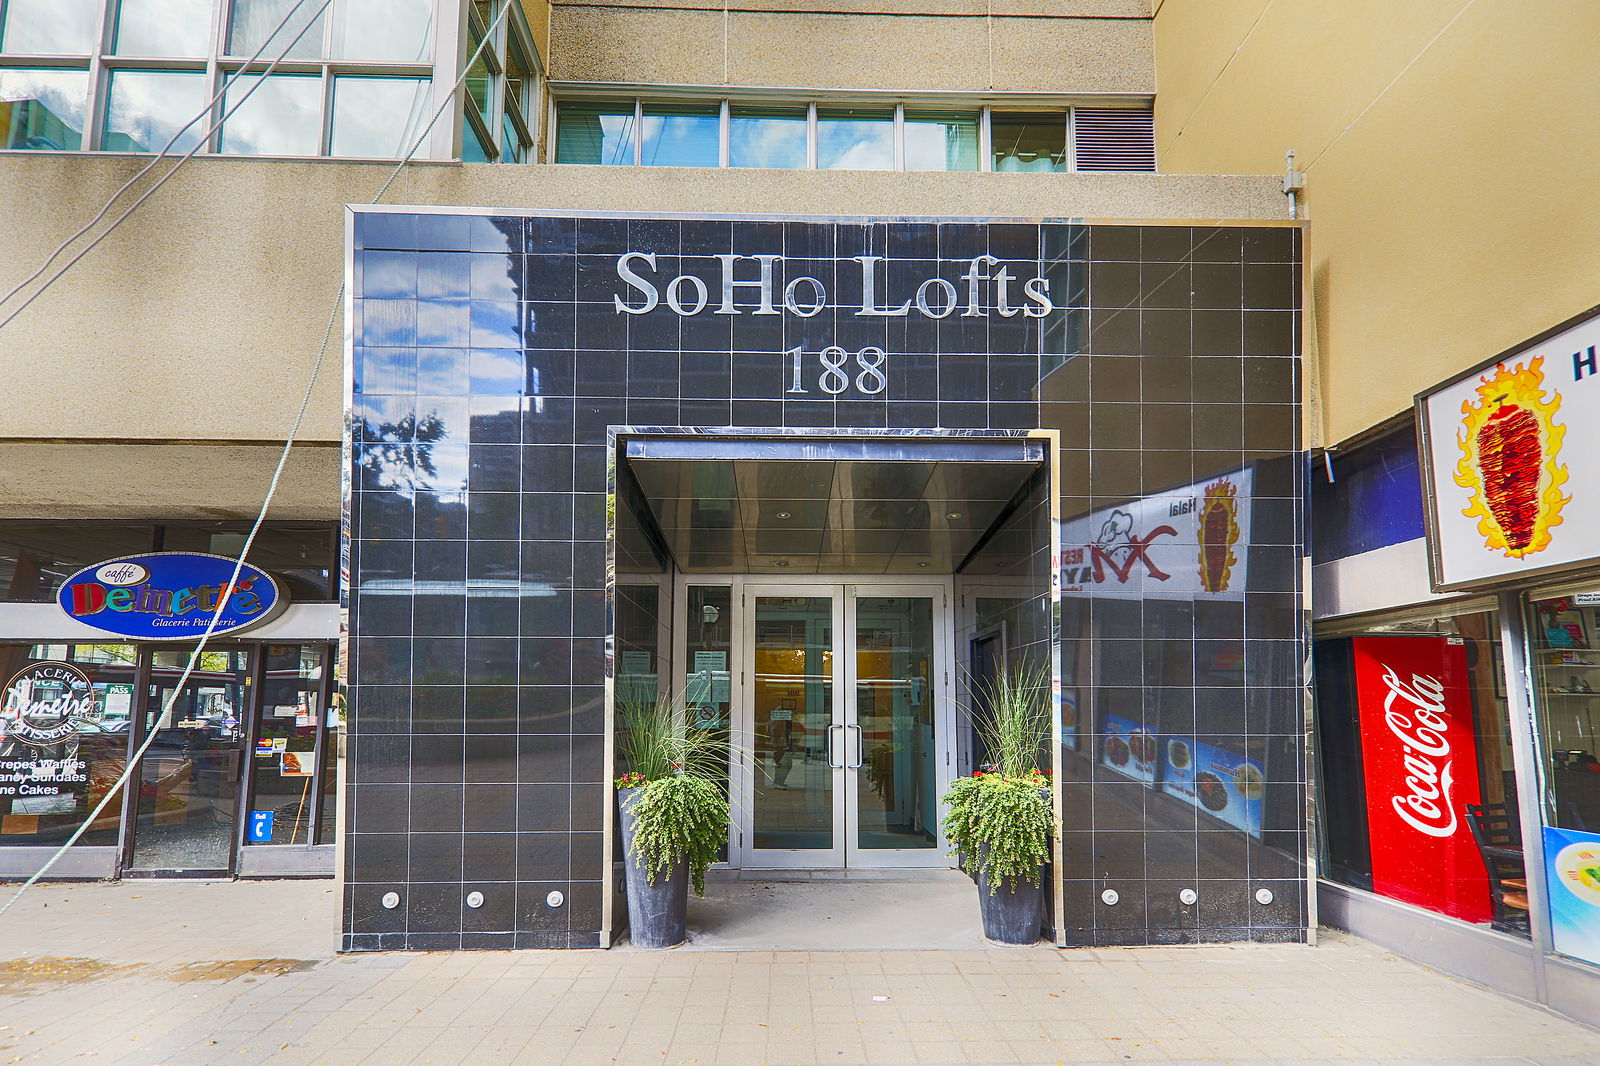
(163, 27)
(50, 27)
(391, 275)
(496, 373)
(680, 140)
(444, 275)
(281, 117)
(441, 371)
(62, 94)
(855, 144)
(148, 108)
(449, 468)
(767, 141)
(491, 277)
(494, 325)
(377, 117)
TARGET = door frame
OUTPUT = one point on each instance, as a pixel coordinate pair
(139, 731)
(843, 589)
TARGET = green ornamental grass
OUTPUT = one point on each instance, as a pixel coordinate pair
(1003, 819)
(683, 812)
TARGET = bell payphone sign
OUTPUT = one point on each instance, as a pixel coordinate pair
(1420, 764)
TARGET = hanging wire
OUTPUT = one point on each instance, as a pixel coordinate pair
(162, 154)
(272, 488)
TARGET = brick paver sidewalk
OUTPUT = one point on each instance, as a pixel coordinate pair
(199, 975)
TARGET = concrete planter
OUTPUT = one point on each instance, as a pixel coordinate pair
(658, 913)
(1014, 912)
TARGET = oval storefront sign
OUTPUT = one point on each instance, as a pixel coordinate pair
(170, 596)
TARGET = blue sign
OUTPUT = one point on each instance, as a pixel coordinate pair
(171, 596)
(1220, 782)
(260, 831)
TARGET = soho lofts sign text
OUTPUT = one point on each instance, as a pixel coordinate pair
(988, 283)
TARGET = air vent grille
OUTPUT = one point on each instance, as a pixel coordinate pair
(1113, 138)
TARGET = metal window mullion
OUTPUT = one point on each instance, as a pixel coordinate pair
(449, 39)
(327, 110)
(1523, 713)
(95, 107)
(811, 136)
(638, 132)
(725, 134)
(899, 136)
(1071, 154)
(985, 138)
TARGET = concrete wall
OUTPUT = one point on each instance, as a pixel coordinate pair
(956, 45)
(199, 320)
(1449, 151)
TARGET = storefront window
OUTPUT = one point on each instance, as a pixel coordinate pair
(63, 744)
(1565, 663)
(283, 801)
(1419, 799)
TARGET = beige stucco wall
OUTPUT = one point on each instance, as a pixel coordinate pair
(1450, 152)
(199, 320)
(1089, 46)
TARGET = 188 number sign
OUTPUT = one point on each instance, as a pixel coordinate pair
(838, 369)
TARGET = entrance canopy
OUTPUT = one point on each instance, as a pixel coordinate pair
(792, 506)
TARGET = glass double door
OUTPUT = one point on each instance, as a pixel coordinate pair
(845, 707)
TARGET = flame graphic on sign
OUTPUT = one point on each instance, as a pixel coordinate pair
(1218, 533)
(1509, 443)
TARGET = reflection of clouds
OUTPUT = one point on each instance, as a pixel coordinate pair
(254, 19)
(51, 27)
(59, 93)
(768, 142)
(399, 30)
(377, 117)
(681, 140)
(855, 146)
(146, 109)
(281, 117)
(164, 28)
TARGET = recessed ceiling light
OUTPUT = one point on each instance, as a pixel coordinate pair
(783, 562)
(782, 514)
(923, 563)
(953, 515)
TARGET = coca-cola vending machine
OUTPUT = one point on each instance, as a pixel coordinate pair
(1420, 764)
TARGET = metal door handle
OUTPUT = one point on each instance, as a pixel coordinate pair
(834, 763)
(860, 744)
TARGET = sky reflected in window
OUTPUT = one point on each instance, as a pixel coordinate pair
(772, 137)
(681, 136)
(378, 118)
(164, 27)
(42, 109)
(282, 117)
(147, 108)
(50, 27)
(855, 139)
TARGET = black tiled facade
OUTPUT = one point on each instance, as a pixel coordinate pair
(488, 368)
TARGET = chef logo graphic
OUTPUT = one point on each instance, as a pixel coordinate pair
(1510, 442)
(1117, 548)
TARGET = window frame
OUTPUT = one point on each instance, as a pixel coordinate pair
(984, 111)
(101, 62)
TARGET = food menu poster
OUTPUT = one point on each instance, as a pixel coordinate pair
(1513, 461)
(1130, 749)
(1572, 875)
(1225, 784)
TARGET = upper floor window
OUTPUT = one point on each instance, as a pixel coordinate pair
(354, 78)
(498, 114)
(794, 136)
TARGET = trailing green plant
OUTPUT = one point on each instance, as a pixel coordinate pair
(680, 773)
(680, 818)
(1002, 818)
(1003, 824)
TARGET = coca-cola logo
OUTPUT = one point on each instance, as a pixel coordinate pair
(47, 703)
(1415, 713)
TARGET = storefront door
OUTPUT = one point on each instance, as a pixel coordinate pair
(844, 704)
(186, 817)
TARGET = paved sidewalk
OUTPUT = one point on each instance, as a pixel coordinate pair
(147, 973)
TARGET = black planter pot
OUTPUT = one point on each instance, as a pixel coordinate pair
(1012, 913)
(658, 913)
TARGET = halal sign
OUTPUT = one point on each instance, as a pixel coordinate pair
(47, 703)
(171, 596)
